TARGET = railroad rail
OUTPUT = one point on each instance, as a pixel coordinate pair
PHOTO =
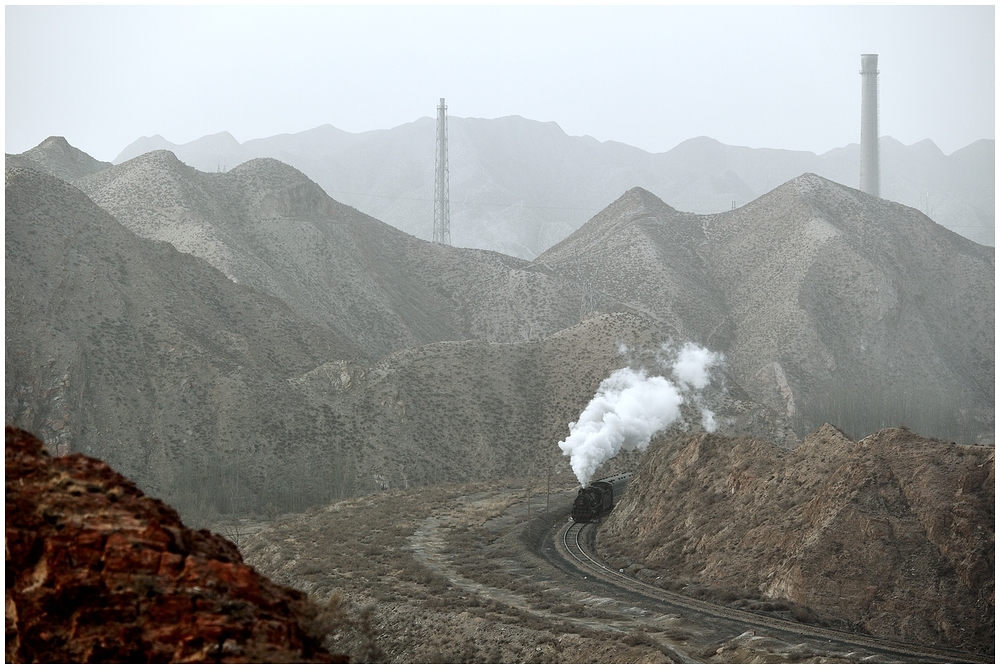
(570, 546)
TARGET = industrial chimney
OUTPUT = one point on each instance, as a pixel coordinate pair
(870, 176)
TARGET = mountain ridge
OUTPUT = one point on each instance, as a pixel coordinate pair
(482, 359)
(266, 224)
(519, 186)
(149, 358)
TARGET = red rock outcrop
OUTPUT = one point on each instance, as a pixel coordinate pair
(98, 572)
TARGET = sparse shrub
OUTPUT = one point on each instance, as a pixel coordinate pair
(803, 614)
(343, 632)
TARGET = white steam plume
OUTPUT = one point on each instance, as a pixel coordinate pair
(630, 407)
(693, 367)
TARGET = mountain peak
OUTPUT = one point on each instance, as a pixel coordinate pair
(161, 157)
(641, 198)
(141, 146)
(57, 157)
(809, 184)
(926, 148)
(636, 204)
(55, 141)
(271, 169)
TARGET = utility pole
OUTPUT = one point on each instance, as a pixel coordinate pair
(442, 215)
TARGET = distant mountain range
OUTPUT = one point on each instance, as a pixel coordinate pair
(519, 186)
(241, 340)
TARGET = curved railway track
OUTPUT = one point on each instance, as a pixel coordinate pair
(568, 543)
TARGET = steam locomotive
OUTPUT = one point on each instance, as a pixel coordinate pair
(598, 498)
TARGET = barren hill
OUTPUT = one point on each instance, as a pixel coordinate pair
(519, 186)
(865, 302)
(455, 411)
(298, 340)
(644, 254)
(266, 225)
(891, 536)
(154, 361)
(824, 299)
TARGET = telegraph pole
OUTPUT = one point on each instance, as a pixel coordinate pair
(442, 215)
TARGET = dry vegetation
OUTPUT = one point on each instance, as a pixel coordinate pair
(452, 573)
(362, 550)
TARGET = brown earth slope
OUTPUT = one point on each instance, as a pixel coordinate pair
(891, 536)
(98, 572)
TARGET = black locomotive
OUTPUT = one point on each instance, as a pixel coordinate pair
(598, 498)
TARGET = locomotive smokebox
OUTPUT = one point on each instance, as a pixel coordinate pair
(599, 497)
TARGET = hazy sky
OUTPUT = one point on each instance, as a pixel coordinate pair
(649, 76)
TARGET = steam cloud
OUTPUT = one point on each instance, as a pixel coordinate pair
(630, 407)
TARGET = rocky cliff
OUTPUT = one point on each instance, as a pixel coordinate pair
(98, 572)
(891, 536)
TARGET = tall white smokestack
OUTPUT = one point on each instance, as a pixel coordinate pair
(870, 176)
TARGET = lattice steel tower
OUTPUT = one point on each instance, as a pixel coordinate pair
(870, 171)
(442, 214)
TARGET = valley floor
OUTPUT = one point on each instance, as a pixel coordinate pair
(459, 573)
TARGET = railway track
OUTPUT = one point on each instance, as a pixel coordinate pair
(569, 544)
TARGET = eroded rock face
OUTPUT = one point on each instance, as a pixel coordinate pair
(98, 572)
(891, 536)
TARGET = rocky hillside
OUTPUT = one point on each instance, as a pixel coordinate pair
(891, 536)
(266, 225)
(298, 350)
(239, 404)
(98, 572)
(828, 303)
(128, 350)
(870, 304)
(455, 411)
(644, 254)
(519, 186)
(904, 350)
